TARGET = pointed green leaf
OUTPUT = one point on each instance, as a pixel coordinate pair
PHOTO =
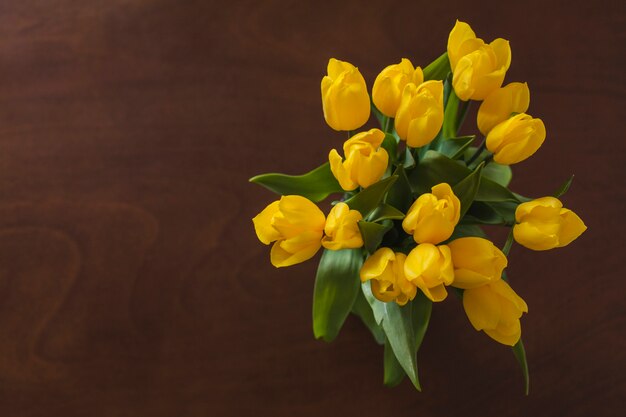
(469, 230)
(438, 69)
(563, 188)
(368, 199)
(482, 213)
(520, 355)
(501, 174)
(398, 327)
(399, 195)
(454, 148)
(336, 288)
(409, 161)
(390, 144)
(385, 212)
(378, 307)
(394, 374)
(373, 234)
(436, 168)
(362, 309)
(421, 309)
(450, 116)
(315, 185)
(467, 188)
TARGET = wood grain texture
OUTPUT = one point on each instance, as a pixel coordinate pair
(131, 282)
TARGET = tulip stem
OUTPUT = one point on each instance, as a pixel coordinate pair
(479, 150)
(388, 124)
(509, 242)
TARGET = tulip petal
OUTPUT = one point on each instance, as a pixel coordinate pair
(459, 34)
(483, 307)
(571, 228)
(263, 224)
(306, 247)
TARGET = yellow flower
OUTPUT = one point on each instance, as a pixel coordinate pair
(345, 100)
(544, 224)
(295, 225)
(476, 262)
(388, 87)
(365, 161)
(496, 309)
(429, 267)
(516, 139)
(433, 216)
(477, 68)
(420, 115)
(501, 103)
(342, 230)
(385, 270)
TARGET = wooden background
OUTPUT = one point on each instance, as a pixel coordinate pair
(131, 281)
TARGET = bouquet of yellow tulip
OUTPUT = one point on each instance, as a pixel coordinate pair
(414, 195)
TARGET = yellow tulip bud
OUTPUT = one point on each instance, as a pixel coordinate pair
(544, 224)
(345, 100)
(295, 225)
(516, 139)
(477, 68)
(420, 115)
(429, 267)
(385, 270)
(433, 216)
(365, 161)
(388, 87)
(496, 309)
(476, 262)
(342, 230)
(501, 103)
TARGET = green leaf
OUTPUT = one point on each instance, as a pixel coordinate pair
(336, 288)
(315, 185)
(467, 230)
(409, 161)
(563, 188)
(436, 168)
(368, 199)
(438, 69)
(450, 116)
(379, 116)
(390, 144)
(399, 194)
(373, 233)
(421, 309)
(362, 309)
(467, 188)
(454, 148)
(482, 213)
(393, 374)
(385, 212)
(520, 355)
(501, 174)
(378, 307)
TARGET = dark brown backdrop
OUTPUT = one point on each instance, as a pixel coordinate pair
(131, 282)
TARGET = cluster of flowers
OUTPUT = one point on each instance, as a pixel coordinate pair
(412, 110)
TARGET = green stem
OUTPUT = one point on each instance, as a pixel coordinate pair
(350, 133)
(388, 124)
(479, 150)
(509, 242)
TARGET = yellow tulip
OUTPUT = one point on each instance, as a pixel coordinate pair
(388, 87)
(516, 139)
(501, 103)
(420, 115)
(295, 225)
(544, 224)
(476, 262)
(477, 68)
(345, 100)
(342, 230)
(433, 216)
(385, 270)
(496, 309)
(429, 267)
(365, 161)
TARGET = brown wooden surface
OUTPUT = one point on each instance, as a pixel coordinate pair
(131, 282)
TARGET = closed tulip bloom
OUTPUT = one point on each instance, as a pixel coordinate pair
(295, 225)
(365, 161)
(388, 87)
(345, 100)
(476, 262)
(385, 270)
(420, 115)
(496, 309)
(544, 224)
(429, 267)
(516, 139)
(342, 229)
(501, 104)
(477, 68)
(433, 216)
